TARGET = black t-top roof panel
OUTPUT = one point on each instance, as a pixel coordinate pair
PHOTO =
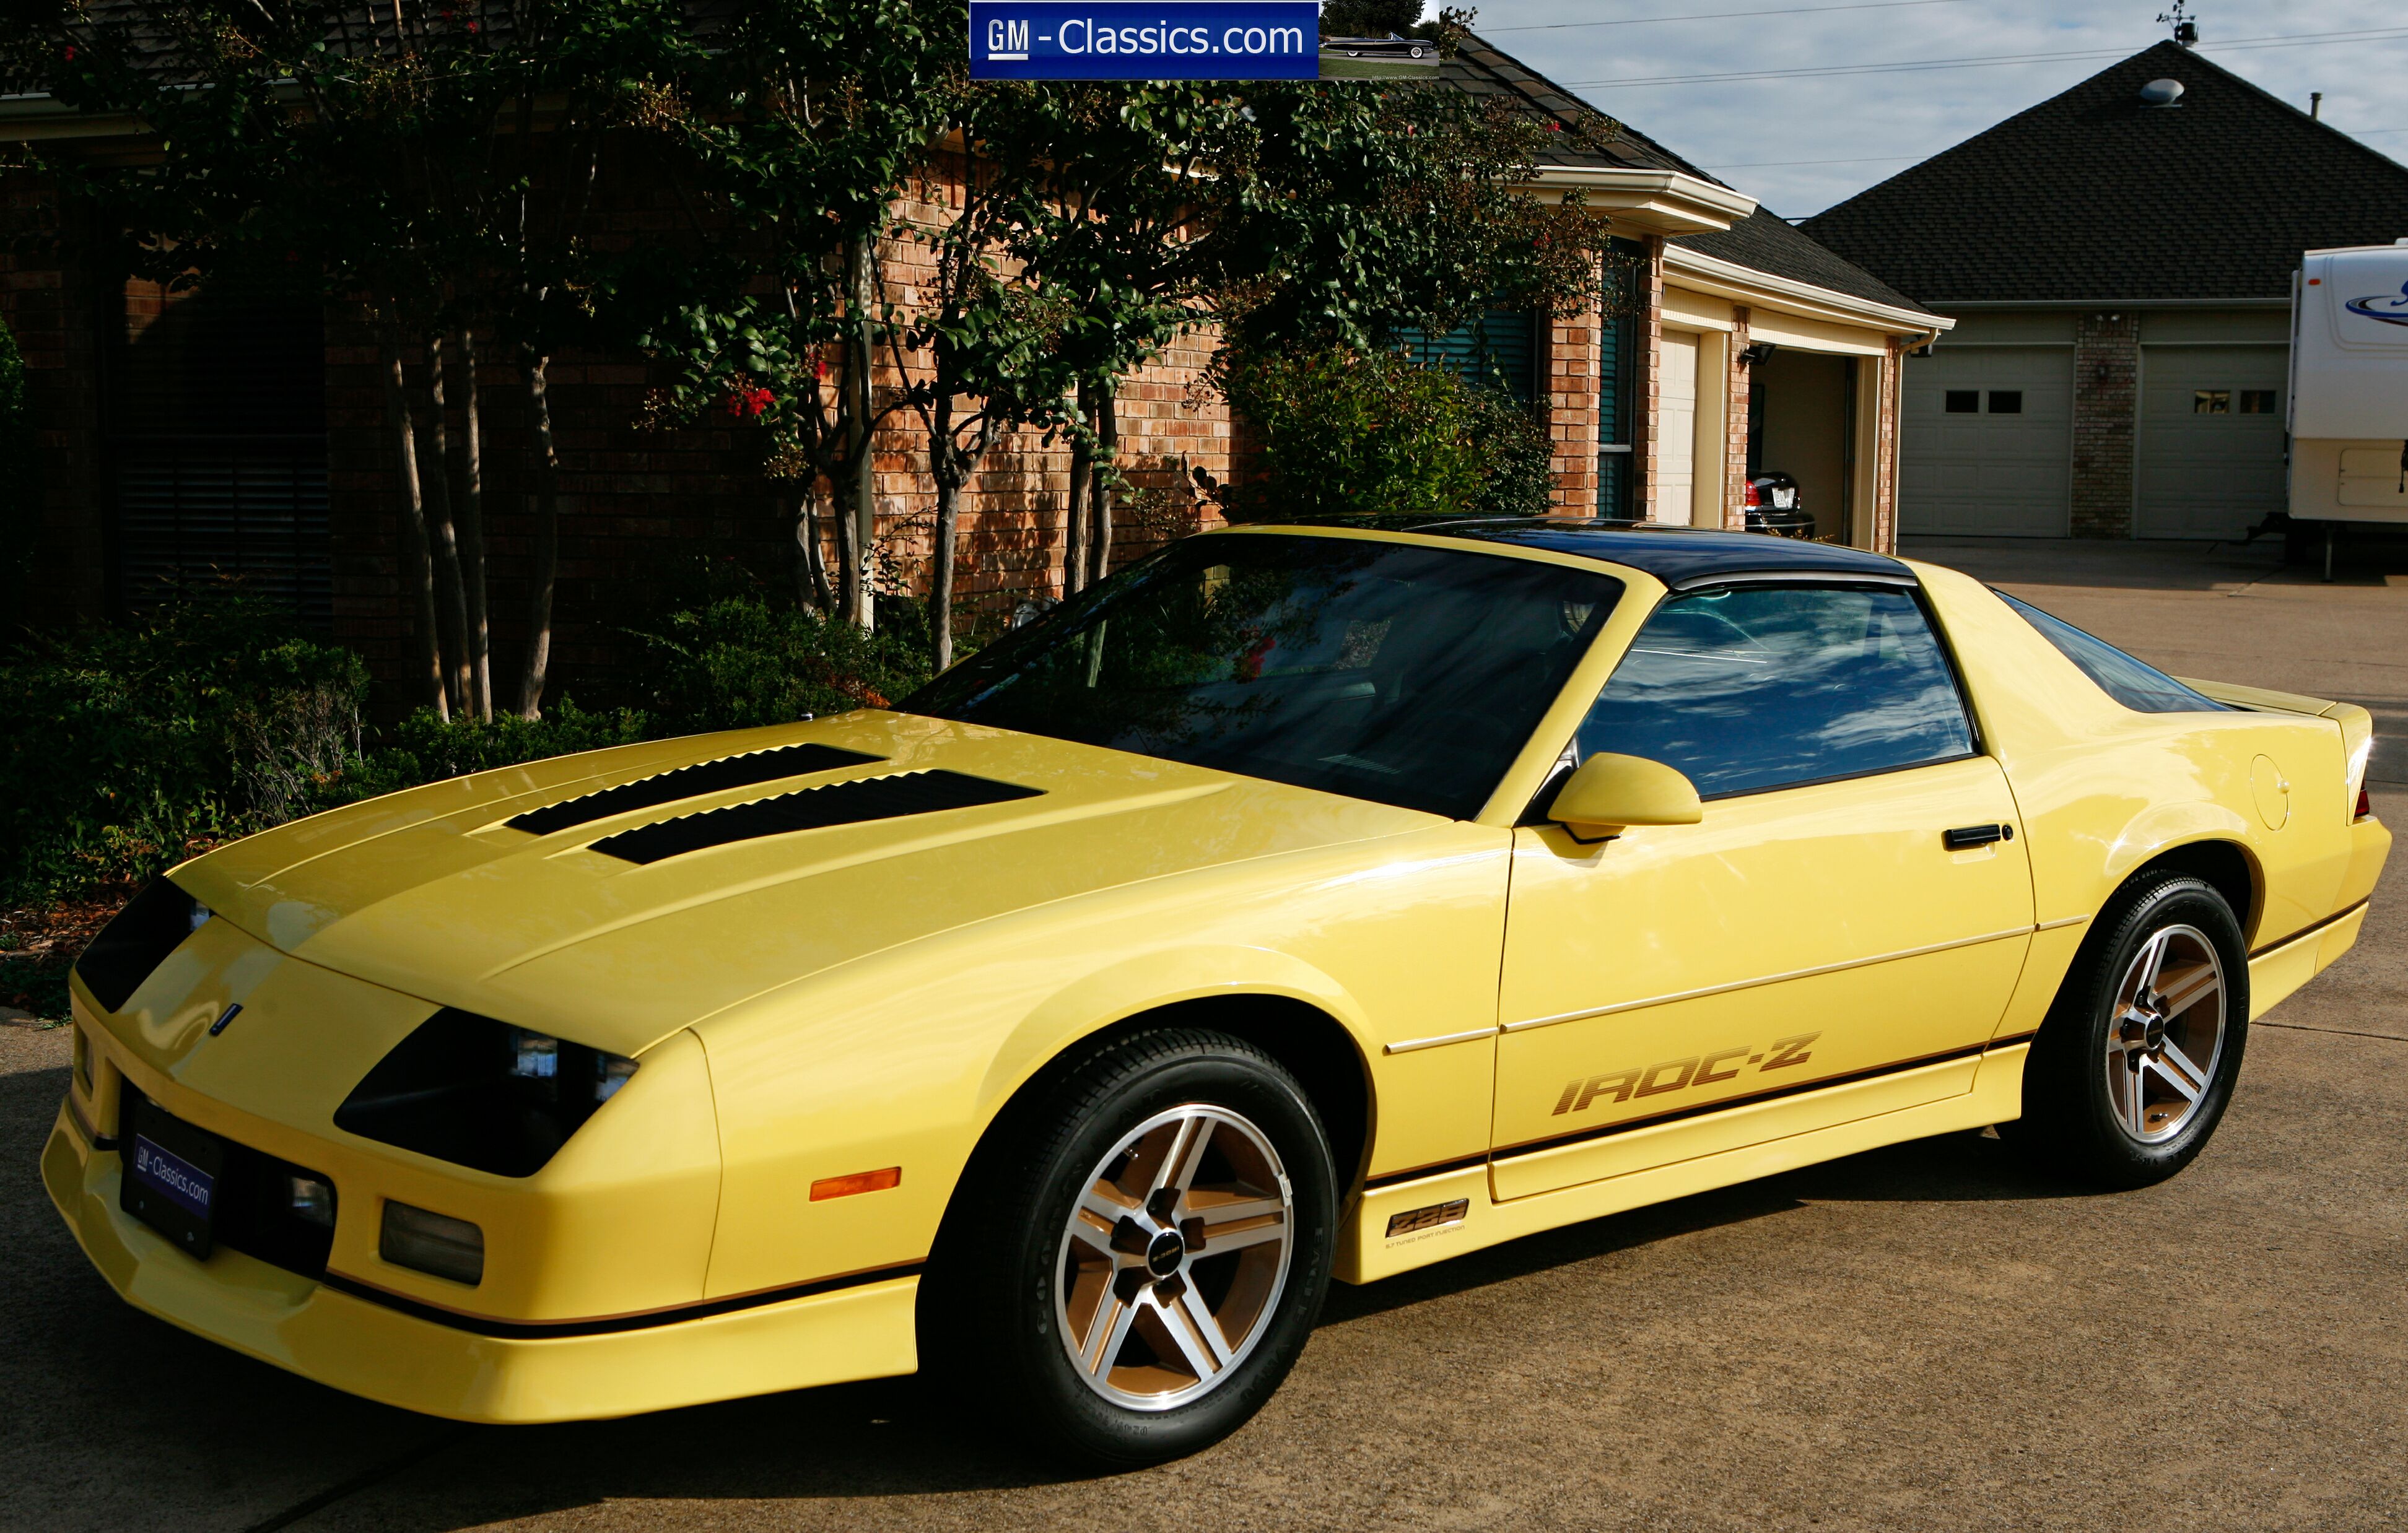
(1671, 555)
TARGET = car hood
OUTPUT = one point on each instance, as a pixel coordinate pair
(435, 893)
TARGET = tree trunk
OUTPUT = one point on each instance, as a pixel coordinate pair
(471, 519)
(435, 489)
(861, 298)
(547, 538)
(1099, 526)
(1074, 514)
(947, 467)
(941, 577)
(848, 565)
(417, 573)
(809, 568)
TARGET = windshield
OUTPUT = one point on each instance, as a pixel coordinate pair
(1402, 674)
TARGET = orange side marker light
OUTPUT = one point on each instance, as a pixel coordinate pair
(859, 1181)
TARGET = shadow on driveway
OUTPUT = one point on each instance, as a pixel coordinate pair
(119, 1420)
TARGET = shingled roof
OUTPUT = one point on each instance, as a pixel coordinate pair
(2094, 195)
(1762, 242)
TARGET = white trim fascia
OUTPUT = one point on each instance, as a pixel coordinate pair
(1703, 272)
(31, 116)
(1666, 202)
(2093, 306)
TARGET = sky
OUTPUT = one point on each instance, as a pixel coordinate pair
(1802, 142)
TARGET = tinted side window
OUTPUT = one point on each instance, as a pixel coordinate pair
(1761, 687)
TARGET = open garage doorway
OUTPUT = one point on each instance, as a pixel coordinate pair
(1801, 423)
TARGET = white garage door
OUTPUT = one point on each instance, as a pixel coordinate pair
(2211, 449)
(1988, 441)
(1676, 428)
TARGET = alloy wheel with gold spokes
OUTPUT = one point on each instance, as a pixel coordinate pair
(2166, 1034)
(2134, 1066)
(1174, 1257)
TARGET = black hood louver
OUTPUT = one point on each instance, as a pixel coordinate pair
(853, 803)
(688, 783)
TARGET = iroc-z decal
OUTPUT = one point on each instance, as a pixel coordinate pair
(1673, 1075)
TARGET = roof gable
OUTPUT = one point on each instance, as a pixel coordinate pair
(1761, 243)
(2093, 196)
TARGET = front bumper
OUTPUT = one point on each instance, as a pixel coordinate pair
(358, 1344)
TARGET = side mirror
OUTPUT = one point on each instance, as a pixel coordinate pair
(1611, 792)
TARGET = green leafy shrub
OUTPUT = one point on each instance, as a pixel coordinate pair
(738, 661)
(425, 749)
(123, 749)
(20, 476)
(1346, 432)
(128, 750)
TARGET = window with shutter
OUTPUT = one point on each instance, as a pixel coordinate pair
(218, 448)
(1498, 350)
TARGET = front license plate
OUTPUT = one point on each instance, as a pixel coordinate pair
(171, 1176)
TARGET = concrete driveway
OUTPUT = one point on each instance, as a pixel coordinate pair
(1922, 1338)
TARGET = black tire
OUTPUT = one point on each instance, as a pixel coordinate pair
(2079, 1103)
(995, 1306)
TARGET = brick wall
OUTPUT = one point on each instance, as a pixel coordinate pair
(1888, 395)
(1646, 393)
(2106, 382)
(1736, 386)
(46, 299)
(1572, 369)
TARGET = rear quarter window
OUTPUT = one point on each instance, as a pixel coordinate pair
(2137, 685)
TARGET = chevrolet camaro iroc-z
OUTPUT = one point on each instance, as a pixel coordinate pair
(1302, 903)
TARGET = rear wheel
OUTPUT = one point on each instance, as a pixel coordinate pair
(2134, 1068)
(1142, 1259)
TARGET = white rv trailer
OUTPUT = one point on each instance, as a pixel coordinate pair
(2349, 388)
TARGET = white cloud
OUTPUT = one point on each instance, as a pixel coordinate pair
(1878, 124)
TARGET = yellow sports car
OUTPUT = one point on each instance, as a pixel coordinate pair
(1305, 902)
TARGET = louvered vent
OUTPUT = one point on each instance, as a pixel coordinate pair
(688, 783)
(850, 802)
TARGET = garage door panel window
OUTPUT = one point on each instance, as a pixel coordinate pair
(1964, 402)
(2006, 401)
(2209, 454)
(1765, 687)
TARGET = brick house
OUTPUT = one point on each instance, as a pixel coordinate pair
(204, 433)
(2119, 260)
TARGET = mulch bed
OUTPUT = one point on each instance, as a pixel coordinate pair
(38, 945)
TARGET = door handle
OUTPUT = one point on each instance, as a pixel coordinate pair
(1965, 837)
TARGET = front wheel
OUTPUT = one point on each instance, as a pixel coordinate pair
(2136, 1063)
(1143, 1261)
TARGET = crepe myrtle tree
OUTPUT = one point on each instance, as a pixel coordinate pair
(803, 130)
(386, 156)
(1116, 186)
(989, 335)
(1351, 213)
(1335, 213)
